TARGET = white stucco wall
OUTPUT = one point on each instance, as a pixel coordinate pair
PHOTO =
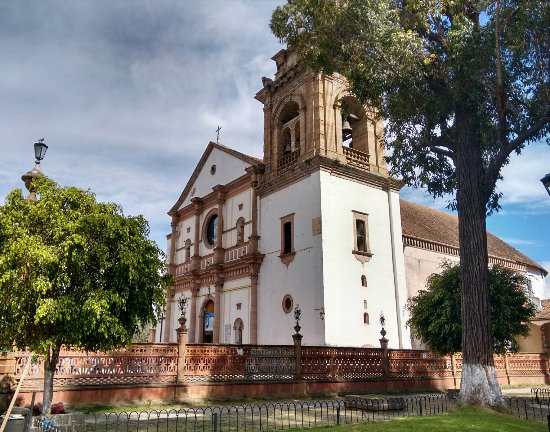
(228, 168)
(235, 292)
(303, 277)
(344, 293)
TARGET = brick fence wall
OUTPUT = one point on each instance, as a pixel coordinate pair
(172, 371)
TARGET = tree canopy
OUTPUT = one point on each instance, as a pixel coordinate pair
(435, 311)
(462, 86)
(419, 61)
(74, 272)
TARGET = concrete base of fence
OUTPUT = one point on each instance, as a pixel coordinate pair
(197, 391)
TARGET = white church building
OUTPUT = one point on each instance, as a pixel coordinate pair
(317, 222)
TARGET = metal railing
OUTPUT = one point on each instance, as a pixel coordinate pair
(270, 416)
(288, 415)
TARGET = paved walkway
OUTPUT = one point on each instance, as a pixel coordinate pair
(521, 391)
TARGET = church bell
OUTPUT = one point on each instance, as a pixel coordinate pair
(346, 130)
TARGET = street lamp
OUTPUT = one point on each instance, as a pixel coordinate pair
(40, 149)
(546, 182)
(183, 304)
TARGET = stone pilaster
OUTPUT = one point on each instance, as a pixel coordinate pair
(196, 258)
(254, 270)
(218, 284)
(193, 314)
(255, 173)
(219, 252)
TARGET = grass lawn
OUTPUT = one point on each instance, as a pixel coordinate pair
(462, 420)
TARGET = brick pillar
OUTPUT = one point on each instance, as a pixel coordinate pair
(453, 367)
(297, 351)
(182, 345)
(385, 354)
(507, 368)
(218, 284)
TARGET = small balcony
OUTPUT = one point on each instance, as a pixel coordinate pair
(230, 254)
(357, 158)
(288, 160)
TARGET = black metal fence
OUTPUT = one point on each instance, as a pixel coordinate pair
(269, 416)
(287, 415)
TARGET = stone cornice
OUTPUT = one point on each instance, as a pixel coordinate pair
(432, 246)
(305, 168)
(233, 270)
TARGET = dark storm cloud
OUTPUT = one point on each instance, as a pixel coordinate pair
(128, 93)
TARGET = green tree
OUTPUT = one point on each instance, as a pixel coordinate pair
(462, 85)
(435, 312)
(74, 273)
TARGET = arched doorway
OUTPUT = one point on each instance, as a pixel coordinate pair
(208, 322)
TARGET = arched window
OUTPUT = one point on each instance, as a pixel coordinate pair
(366, 318)
(238, 327)
(363, 280)
(240, 230)
(212, 230)
(208, 322)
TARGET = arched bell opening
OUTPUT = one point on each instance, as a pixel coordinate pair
(288, 125)
(354, 124)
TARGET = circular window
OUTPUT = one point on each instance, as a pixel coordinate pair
(212, 230)
(287, 303)
(213, 169)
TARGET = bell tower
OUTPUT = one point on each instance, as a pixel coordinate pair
(308, 114)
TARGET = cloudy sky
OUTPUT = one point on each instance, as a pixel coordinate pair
(127, 95)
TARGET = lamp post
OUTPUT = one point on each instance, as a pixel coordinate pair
(383, 340)
(182, 302)
(546, 182)
(182, 336)
(40, 149)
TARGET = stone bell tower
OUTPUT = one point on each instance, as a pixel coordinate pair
(328, 214)
(309, 114)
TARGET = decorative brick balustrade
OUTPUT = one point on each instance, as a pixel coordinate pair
(156, 364)
(357, 158)
(288, 160)
(139, 364)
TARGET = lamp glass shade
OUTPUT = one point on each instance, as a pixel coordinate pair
(40, 149)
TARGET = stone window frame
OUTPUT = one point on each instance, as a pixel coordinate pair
(366, 255)
(288, 257)
(213, 212)
(287, 308)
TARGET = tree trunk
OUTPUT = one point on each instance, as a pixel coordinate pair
(50, 364)
(479, 383)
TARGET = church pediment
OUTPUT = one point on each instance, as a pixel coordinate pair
(218, 165)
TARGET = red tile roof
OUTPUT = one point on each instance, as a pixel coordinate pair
(442, 227)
